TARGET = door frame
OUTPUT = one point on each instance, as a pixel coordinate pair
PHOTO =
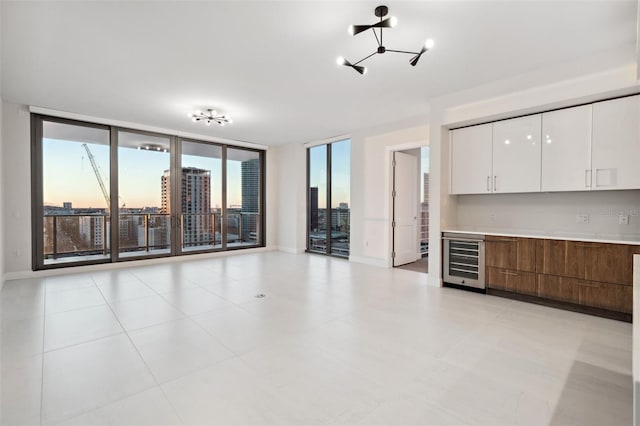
(388, 197)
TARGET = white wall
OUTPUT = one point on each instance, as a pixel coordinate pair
(292, 202)
(541, 212)
(271, 198)
(17, 192)
(371, 152)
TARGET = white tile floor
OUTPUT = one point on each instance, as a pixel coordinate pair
(332, 342)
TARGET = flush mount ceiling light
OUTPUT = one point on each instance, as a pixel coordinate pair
(381, 12)
(210, 116)
(152, 147)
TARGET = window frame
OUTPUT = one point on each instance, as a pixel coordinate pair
(37, 121)
(328, 208)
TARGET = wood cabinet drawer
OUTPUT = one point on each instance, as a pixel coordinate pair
(510, 280)
(557, 288)
(613, 297)
(513, 253)
(602, 262)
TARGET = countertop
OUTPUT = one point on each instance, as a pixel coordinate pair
(632, 239)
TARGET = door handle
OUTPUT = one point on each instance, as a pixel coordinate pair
(488, 183)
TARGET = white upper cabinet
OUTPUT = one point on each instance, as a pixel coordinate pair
(616, 144)
(516, 155)
(566, 149)
(471, 160)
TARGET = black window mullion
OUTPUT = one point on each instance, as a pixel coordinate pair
(328, 201)
(223, 214)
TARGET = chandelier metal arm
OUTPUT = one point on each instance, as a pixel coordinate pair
(377, 39)
(402, 51)
(365, 58)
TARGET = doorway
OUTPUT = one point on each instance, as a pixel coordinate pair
(410, 197)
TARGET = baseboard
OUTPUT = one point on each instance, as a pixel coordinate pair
(382, 263)
(290, 250)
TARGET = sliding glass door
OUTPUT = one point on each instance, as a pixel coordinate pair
(201, 196)
(244, 192)
(72, 204)
(144, 194)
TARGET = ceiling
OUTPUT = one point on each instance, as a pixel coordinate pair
(271, 65)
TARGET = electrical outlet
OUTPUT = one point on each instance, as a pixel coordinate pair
(623, 219)
(582, 218)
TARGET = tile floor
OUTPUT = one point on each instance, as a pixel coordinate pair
(332, 342)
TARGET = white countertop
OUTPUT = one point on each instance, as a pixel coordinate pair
(613, 239)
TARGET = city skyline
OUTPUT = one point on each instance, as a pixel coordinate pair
(69, 177)
(341, 172)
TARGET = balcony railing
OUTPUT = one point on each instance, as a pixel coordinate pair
(67, 236)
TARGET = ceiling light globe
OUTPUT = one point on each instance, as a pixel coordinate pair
(194, 119)
(393, 21)
(229, 121)
(351, 29)
(429, 43)
(340, 60)
(364, 71)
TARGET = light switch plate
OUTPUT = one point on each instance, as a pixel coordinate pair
(623, 219)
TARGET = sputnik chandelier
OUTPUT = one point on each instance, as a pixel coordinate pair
(381, 12)
(210, 116)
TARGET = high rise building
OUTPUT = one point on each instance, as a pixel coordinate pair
(313, 208)
(250, 177)
(195, 204)
(92, 230)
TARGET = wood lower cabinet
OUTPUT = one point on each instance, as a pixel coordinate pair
(594, 275)
(518, 254)
(557, 288)
(510, 280)
(613, 297)
(603, 262)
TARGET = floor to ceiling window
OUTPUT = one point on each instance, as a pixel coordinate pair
(201, 200)
(328, 213)
(74, 193)
(144, 194)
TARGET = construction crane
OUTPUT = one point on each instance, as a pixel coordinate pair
(99, 177)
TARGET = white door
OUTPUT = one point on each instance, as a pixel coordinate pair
(406, 245)
(471, 160)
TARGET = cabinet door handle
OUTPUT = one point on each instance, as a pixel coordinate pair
(588, 285)
(488, 183)
(503, 240)
(494, 183)
(589, 245)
